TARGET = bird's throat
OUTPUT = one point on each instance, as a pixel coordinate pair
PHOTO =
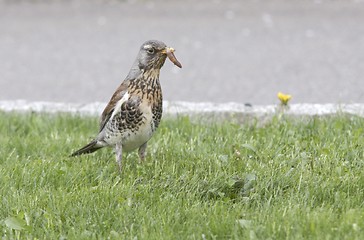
(147, 83)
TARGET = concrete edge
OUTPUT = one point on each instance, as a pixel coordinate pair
(220, 110)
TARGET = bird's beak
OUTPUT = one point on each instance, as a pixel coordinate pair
(170, 54)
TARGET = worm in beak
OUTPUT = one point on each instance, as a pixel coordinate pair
(170, 54)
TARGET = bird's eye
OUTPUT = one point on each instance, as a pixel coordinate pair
(150, 50)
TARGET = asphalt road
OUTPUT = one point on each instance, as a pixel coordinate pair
(231, 51)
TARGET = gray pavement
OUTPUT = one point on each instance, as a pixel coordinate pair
(231, 51)
(200, 111)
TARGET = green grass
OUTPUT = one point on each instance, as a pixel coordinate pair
(288, 179)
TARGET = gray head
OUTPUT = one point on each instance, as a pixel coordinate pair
(153, 54)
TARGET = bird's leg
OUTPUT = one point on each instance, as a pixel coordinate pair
(142, 152)
(119, 155)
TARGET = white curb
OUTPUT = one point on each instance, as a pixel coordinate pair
(188, 108)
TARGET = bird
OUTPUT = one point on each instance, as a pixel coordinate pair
(135, 109)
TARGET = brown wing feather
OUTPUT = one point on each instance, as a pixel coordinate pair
(118, 94)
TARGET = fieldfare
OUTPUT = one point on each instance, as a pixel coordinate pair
(135, 109)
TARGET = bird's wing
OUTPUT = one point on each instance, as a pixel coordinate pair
(118, 98)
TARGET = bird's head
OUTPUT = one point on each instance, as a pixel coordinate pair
(153, 54)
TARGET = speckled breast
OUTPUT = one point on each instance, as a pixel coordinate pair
(138, 118)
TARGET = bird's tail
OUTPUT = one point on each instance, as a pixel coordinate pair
(89, 148)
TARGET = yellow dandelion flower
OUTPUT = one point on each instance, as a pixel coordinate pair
(284, 98)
